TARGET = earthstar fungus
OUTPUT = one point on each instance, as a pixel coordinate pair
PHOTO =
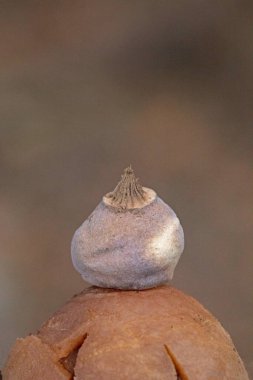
(132, 240)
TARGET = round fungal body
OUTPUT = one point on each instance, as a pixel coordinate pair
(132, 240)
(111, 334)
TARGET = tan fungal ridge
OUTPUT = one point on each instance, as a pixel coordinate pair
(69, 361)
(128, 192)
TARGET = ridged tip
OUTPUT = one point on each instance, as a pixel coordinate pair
(128, 192)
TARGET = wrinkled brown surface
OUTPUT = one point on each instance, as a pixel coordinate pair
(32, 359)
(108, 334)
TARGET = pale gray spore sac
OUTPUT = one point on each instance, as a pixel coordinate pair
(130, 248)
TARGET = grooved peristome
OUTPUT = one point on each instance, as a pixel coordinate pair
(129, 193)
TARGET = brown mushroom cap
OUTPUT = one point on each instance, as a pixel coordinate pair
(105, 334)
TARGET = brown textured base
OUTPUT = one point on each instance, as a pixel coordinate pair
(110, 334)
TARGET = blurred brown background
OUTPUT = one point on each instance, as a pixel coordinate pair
(88, 87)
